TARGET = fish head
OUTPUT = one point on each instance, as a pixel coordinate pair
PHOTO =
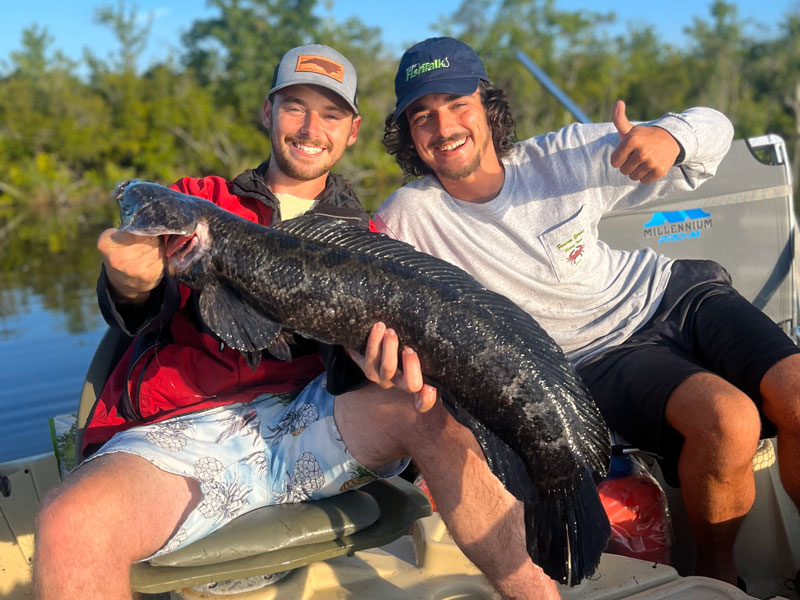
(149, 209)
(152, 209)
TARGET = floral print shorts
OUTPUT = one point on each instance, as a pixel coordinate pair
(276, 449)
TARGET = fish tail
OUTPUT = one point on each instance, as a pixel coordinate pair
(566, 535)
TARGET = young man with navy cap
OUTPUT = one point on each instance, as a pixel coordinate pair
(198, 436)
(677, 361)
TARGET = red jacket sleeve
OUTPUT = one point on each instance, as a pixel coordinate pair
(217, 190)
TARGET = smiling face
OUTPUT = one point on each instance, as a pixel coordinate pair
(310, 128)
(452, 136)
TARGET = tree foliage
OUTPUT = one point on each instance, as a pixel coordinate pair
(67, 139)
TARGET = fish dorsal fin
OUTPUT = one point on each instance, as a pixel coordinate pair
(338, 233)
(241, 326)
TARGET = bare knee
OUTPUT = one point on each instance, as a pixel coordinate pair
(721, 425)
(728, 437)
(780, 391)
(51, 520)
(61, 533)
(75, 548)
(383, 424)
(84, 512)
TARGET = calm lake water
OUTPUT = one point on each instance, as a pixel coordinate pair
(44, 361)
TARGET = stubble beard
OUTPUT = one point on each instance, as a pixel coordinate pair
(465, 171)
(461, 172)
(297, 169)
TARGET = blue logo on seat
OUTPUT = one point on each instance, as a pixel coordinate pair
(677, 225)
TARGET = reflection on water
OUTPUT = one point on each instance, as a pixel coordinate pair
(44, 363)
(49, 328)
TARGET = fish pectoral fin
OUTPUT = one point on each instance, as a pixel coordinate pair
(253, 359)
(236, 321)
(279, 348)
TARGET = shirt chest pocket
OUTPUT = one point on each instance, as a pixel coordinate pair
(569, 247)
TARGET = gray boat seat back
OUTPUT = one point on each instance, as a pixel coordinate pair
(743, 218)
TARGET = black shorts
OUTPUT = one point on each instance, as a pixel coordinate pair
(702, 325)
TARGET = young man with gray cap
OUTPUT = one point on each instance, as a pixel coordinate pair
(198, 436)
(677, 361)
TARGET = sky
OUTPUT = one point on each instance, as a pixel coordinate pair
(72, 27)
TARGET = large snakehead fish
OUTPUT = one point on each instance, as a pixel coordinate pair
(331, 281)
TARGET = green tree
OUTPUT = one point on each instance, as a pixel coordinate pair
(716, 60)
(774, 69)
(47, 122)
(67, 140)
(234, 53)
(132, 38)
(568, 45)
(373, 173)
(647, 74)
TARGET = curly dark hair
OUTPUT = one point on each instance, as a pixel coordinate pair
(398, 142)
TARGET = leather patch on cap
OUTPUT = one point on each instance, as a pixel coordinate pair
(319, 64)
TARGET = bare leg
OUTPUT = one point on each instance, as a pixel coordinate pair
(780, 390)
(379, 426)
(721, 428)
(111, 512)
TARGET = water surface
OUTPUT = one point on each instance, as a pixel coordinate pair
(44, 361)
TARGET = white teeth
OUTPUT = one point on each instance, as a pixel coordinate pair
(309, 149)
(454, 145)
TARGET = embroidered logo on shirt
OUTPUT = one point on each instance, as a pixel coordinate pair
(573, 248)
(320, 64)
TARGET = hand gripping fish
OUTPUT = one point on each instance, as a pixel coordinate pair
(332, 282)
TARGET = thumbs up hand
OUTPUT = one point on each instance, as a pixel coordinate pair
(620, 120)
(645, 153)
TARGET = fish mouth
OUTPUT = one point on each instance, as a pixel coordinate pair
(180, 245)
(184, 250)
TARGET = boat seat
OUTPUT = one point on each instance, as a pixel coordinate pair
(270, 539)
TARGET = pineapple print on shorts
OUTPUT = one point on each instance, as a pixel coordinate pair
(257, 462)
(359, 475)
(222, 501)
(244, 423)
(171, 436)
(294, 421)
(175, 542)
(305, 479)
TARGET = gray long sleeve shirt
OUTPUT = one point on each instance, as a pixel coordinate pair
(537, 241)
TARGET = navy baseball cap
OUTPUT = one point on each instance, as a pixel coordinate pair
(440, 65)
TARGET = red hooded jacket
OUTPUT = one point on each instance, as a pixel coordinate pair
(175, 364)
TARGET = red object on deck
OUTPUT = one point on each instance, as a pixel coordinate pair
(420, 483)
(637, 509)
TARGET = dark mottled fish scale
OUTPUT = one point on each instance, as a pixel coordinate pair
(331, 282)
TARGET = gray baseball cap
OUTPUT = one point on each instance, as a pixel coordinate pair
(320, 65)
